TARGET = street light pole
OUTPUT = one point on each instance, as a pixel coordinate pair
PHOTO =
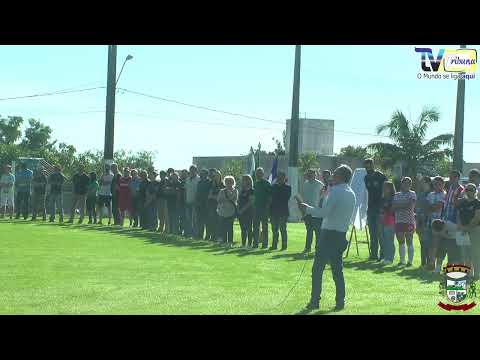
(110, 104)
(459, 124)
(129, 57)
(294, 130)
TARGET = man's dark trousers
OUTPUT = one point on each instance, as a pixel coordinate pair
(23, 204)
(202, 212)
(329, 249)
(115, 210)
(313, 225)
(279, 223)
(260, 216)
(373, 221)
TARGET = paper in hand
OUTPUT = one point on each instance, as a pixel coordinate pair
(298, 198)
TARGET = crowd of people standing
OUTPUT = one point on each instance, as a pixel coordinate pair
(204, 205)
(198, 204)
(446, 218)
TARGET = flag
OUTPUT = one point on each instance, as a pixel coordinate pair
(359, 218)
(273, 172)
(252, 164)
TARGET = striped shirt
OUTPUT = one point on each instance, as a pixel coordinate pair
(449, 211)
(405, 215)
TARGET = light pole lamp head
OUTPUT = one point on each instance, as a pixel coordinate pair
(129, 57)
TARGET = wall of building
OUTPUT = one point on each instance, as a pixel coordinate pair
(315, 135)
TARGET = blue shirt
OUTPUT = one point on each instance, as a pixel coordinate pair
(337, 209)
(23, 180)
(135, 185)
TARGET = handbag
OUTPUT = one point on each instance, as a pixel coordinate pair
(462, 238)
(235, 213)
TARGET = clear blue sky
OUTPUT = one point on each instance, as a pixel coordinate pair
(357, 86)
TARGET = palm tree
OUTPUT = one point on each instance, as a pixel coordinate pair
(409, 143)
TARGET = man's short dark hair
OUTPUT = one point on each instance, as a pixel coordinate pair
(163, 173)
(193, 167)
(456, 172)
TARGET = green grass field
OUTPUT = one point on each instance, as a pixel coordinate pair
(84, 269)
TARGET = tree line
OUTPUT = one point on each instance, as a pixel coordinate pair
(36, 141)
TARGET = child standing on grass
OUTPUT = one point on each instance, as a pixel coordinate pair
(404, 205)
(92, 189)
(387, 216)
(423, 219)
(227, 209)
(436, 201)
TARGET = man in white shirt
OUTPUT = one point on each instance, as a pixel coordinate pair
(191, 184)
(311, 196)
(7, 193)
(336, 212)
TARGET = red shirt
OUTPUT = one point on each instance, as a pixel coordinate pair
(123, 186)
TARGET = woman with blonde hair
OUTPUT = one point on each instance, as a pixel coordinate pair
(227, 209)
(245, 210)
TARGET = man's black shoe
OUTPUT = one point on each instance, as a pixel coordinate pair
(283, 248)
(373, 258)
(339, 307)
(271, 248)
(311, 306)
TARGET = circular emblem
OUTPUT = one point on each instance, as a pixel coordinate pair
(457, 288)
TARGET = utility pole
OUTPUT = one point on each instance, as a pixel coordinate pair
(459, 122)
(293, 146)
(110, 102)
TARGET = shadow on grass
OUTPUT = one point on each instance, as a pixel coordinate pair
(378, 268)
(304, 312)
(218, 249)
(153, 237)
(293, 256)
